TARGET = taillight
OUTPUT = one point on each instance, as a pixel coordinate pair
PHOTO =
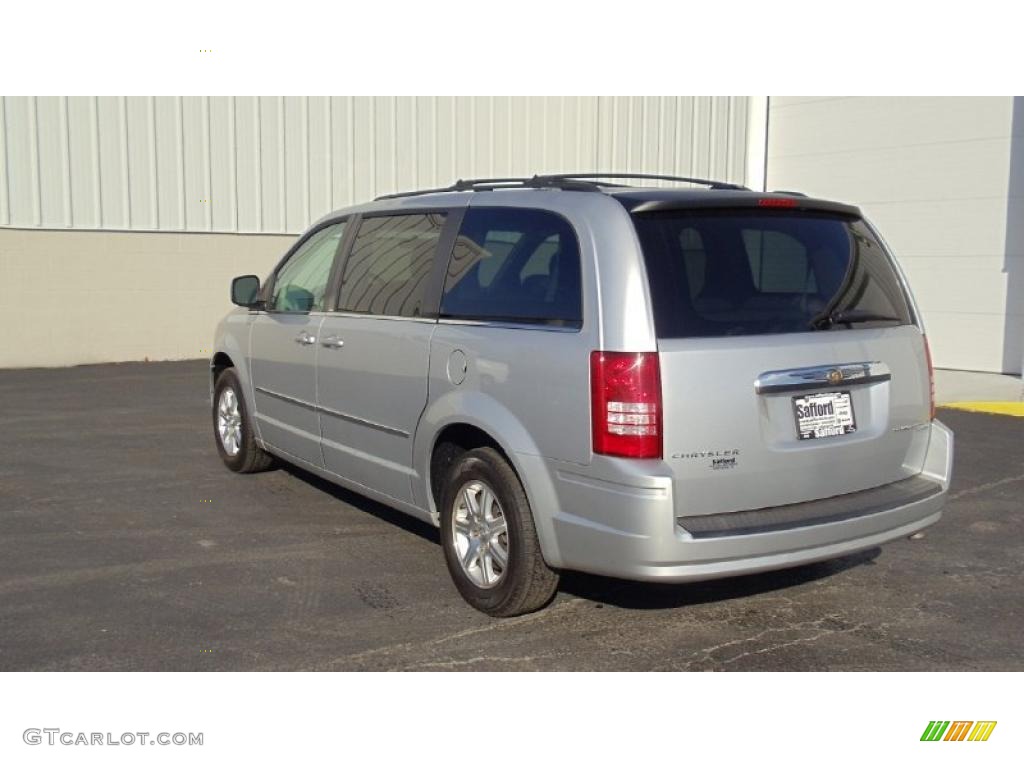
(625, 398)
(931, 376)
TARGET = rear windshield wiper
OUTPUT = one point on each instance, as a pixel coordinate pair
(851, 316)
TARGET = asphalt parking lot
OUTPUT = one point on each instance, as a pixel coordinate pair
(125, 545)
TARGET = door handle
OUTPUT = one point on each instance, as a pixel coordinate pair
(305, 339)
(332, 342)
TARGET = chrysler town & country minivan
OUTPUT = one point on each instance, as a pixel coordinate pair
(567, 373)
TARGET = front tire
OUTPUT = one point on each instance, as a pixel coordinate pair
(489, 539)
(232, 427)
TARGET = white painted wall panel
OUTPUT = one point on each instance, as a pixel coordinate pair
(941, 177)
(319, 154)
(912, 172)
(197, 194)
(142, 196)
(364, 163)
(84, 178)
(855, 125)
(296, 152)
(5, 179)
(379, 143)
(247, 166)
(426, 143)
(920, 228)
(51, 146)
(113, 168)
(274, 164)
(22, 171)
(270, 119)
(222, 171)
(170, 163)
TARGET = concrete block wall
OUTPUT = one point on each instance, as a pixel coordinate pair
(73, 297)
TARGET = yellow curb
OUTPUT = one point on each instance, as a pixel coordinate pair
(1001, 408)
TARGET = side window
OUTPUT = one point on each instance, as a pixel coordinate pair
(389, 266)
(301, 283)
(515, 264)
(778, 262)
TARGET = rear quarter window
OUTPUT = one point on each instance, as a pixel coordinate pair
(516, 265)
(724, 273)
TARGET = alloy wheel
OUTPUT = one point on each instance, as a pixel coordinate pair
(229, 422)
(480, 534)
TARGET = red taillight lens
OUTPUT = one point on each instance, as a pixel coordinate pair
(625, 401)
(931, 375)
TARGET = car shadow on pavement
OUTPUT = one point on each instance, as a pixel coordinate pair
(642, 596)
(364, 504)
(611, 591)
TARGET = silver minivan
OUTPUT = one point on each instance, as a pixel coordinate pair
(567, 373)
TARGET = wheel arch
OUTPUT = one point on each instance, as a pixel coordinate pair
(470, 420)
(464, 437)
(231, 345)
(219, 363)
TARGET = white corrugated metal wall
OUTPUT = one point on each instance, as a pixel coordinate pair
(942, 177)
(274, 164)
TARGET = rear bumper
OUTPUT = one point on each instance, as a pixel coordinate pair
(630, 531)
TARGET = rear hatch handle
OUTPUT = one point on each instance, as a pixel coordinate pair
(820, 376)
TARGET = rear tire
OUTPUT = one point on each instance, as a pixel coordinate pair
(232, 427)
(489, 539)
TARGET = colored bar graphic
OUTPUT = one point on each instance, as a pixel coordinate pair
(958, 731)
(961, 730)
(982, 730)
(935, 730)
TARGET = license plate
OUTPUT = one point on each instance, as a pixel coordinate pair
(826, 414)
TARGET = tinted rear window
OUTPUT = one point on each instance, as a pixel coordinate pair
(515, 265)
(725, 273)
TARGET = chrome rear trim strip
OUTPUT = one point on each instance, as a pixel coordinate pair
(821, 377)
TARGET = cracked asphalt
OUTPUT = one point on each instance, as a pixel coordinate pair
(125, 545)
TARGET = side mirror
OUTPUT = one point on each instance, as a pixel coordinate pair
(245, 291)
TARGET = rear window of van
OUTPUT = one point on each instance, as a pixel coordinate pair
(725, 273)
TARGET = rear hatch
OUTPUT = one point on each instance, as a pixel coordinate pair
(791, 367)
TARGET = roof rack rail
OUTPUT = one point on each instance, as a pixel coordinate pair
(582, 182)
(713, 184)
(505, 182)
(413, 193)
